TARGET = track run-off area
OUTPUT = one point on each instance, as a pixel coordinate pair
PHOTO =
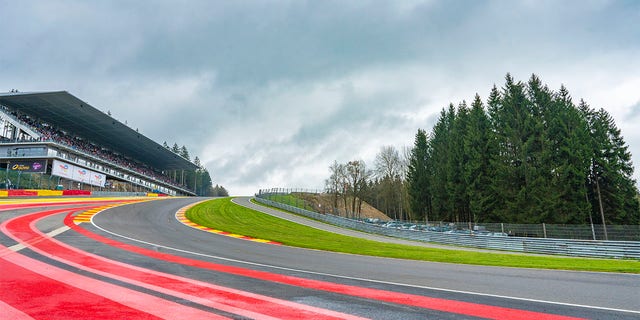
(138, 258)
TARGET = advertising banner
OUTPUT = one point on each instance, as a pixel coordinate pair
(79, 174)
(62, 169)
(29, 166)
(98, 179)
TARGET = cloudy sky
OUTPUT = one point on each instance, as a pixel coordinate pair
(270, 93)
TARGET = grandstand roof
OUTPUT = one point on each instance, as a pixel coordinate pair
(66, 112)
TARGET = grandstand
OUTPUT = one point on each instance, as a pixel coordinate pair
(58, 141)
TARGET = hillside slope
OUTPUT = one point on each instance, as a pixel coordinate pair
(322, 202)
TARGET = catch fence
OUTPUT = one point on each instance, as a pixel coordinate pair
(572, 240)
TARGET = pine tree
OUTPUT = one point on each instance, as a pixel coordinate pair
(531, 157)
(568, 138)
(206, 183)
(441, 165)
(476, 168)
(540, 151)
(507, 164)
(418, 173)
(495, 200)
(459, 158)
(520, 133)
(613, 191)
(219, 191)
(184, 152)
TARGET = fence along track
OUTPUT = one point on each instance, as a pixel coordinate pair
(567, 247)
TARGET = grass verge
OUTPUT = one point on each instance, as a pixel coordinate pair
(224, 215)
(291, 200)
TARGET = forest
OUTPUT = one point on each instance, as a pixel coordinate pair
(199, 179)
(527, 155)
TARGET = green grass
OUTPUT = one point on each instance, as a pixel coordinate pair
(291, 200)
(224, 215)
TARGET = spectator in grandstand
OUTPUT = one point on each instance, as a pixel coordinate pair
(48, 133)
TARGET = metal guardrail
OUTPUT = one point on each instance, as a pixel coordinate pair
(579, 248)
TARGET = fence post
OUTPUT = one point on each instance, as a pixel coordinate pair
(544, 230)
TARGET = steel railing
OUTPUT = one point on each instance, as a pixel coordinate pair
(569, 247)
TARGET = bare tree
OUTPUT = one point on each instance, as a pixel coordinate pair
(390, 170)
(388, 163)
(335, 185)
(357, 178)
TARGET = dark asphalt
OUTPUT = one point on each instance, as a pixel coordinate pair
(154, 223)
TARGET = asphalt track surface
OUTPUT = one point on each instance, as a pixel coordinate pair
(138, 261)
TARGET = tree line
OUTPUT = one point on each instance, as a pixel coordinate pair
(352, 183)
(527, 155)
(198, 180)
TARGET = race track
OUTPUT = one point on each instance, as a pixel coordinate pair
(137, 261)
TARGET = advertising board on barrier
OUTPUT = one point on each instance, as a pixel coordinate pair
(69, 171)
(81, 174)
(29, 166)
(61, 169)
(97, 179)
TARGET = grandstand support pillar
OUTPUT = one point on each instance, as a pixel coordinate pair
(182, 176)
(6, 176)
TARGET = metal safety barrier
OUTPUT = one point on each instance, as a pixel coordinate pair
(567, 247)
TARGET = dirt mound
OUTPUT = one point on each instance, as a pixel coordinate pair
(323, 203)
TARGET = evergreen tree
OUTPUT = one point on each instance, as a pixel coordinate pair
(531, 157)
(184, 152)
(457, 186)
(476, 168)
(441, 164)
(614, 194)
(540, 151)
(495, 200)
(219, 191)
(518, 135)
(205, 183)
(418, 177)
(175, 148)
(568, 138)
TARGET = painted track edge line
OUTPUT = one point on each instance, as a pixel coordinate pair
(181, 213)
(51, 234)
(364, 279)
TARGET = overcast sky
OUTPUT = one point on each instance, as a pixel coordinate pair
(270, 93)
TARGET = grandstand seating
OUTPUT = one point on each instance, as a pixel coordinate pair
(50, 134)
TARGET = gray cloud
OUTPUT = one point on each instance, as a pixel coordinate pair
(634, 113)
(269, 93)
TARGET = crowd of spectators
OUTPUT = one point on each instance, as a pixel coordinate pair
(49, 133)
